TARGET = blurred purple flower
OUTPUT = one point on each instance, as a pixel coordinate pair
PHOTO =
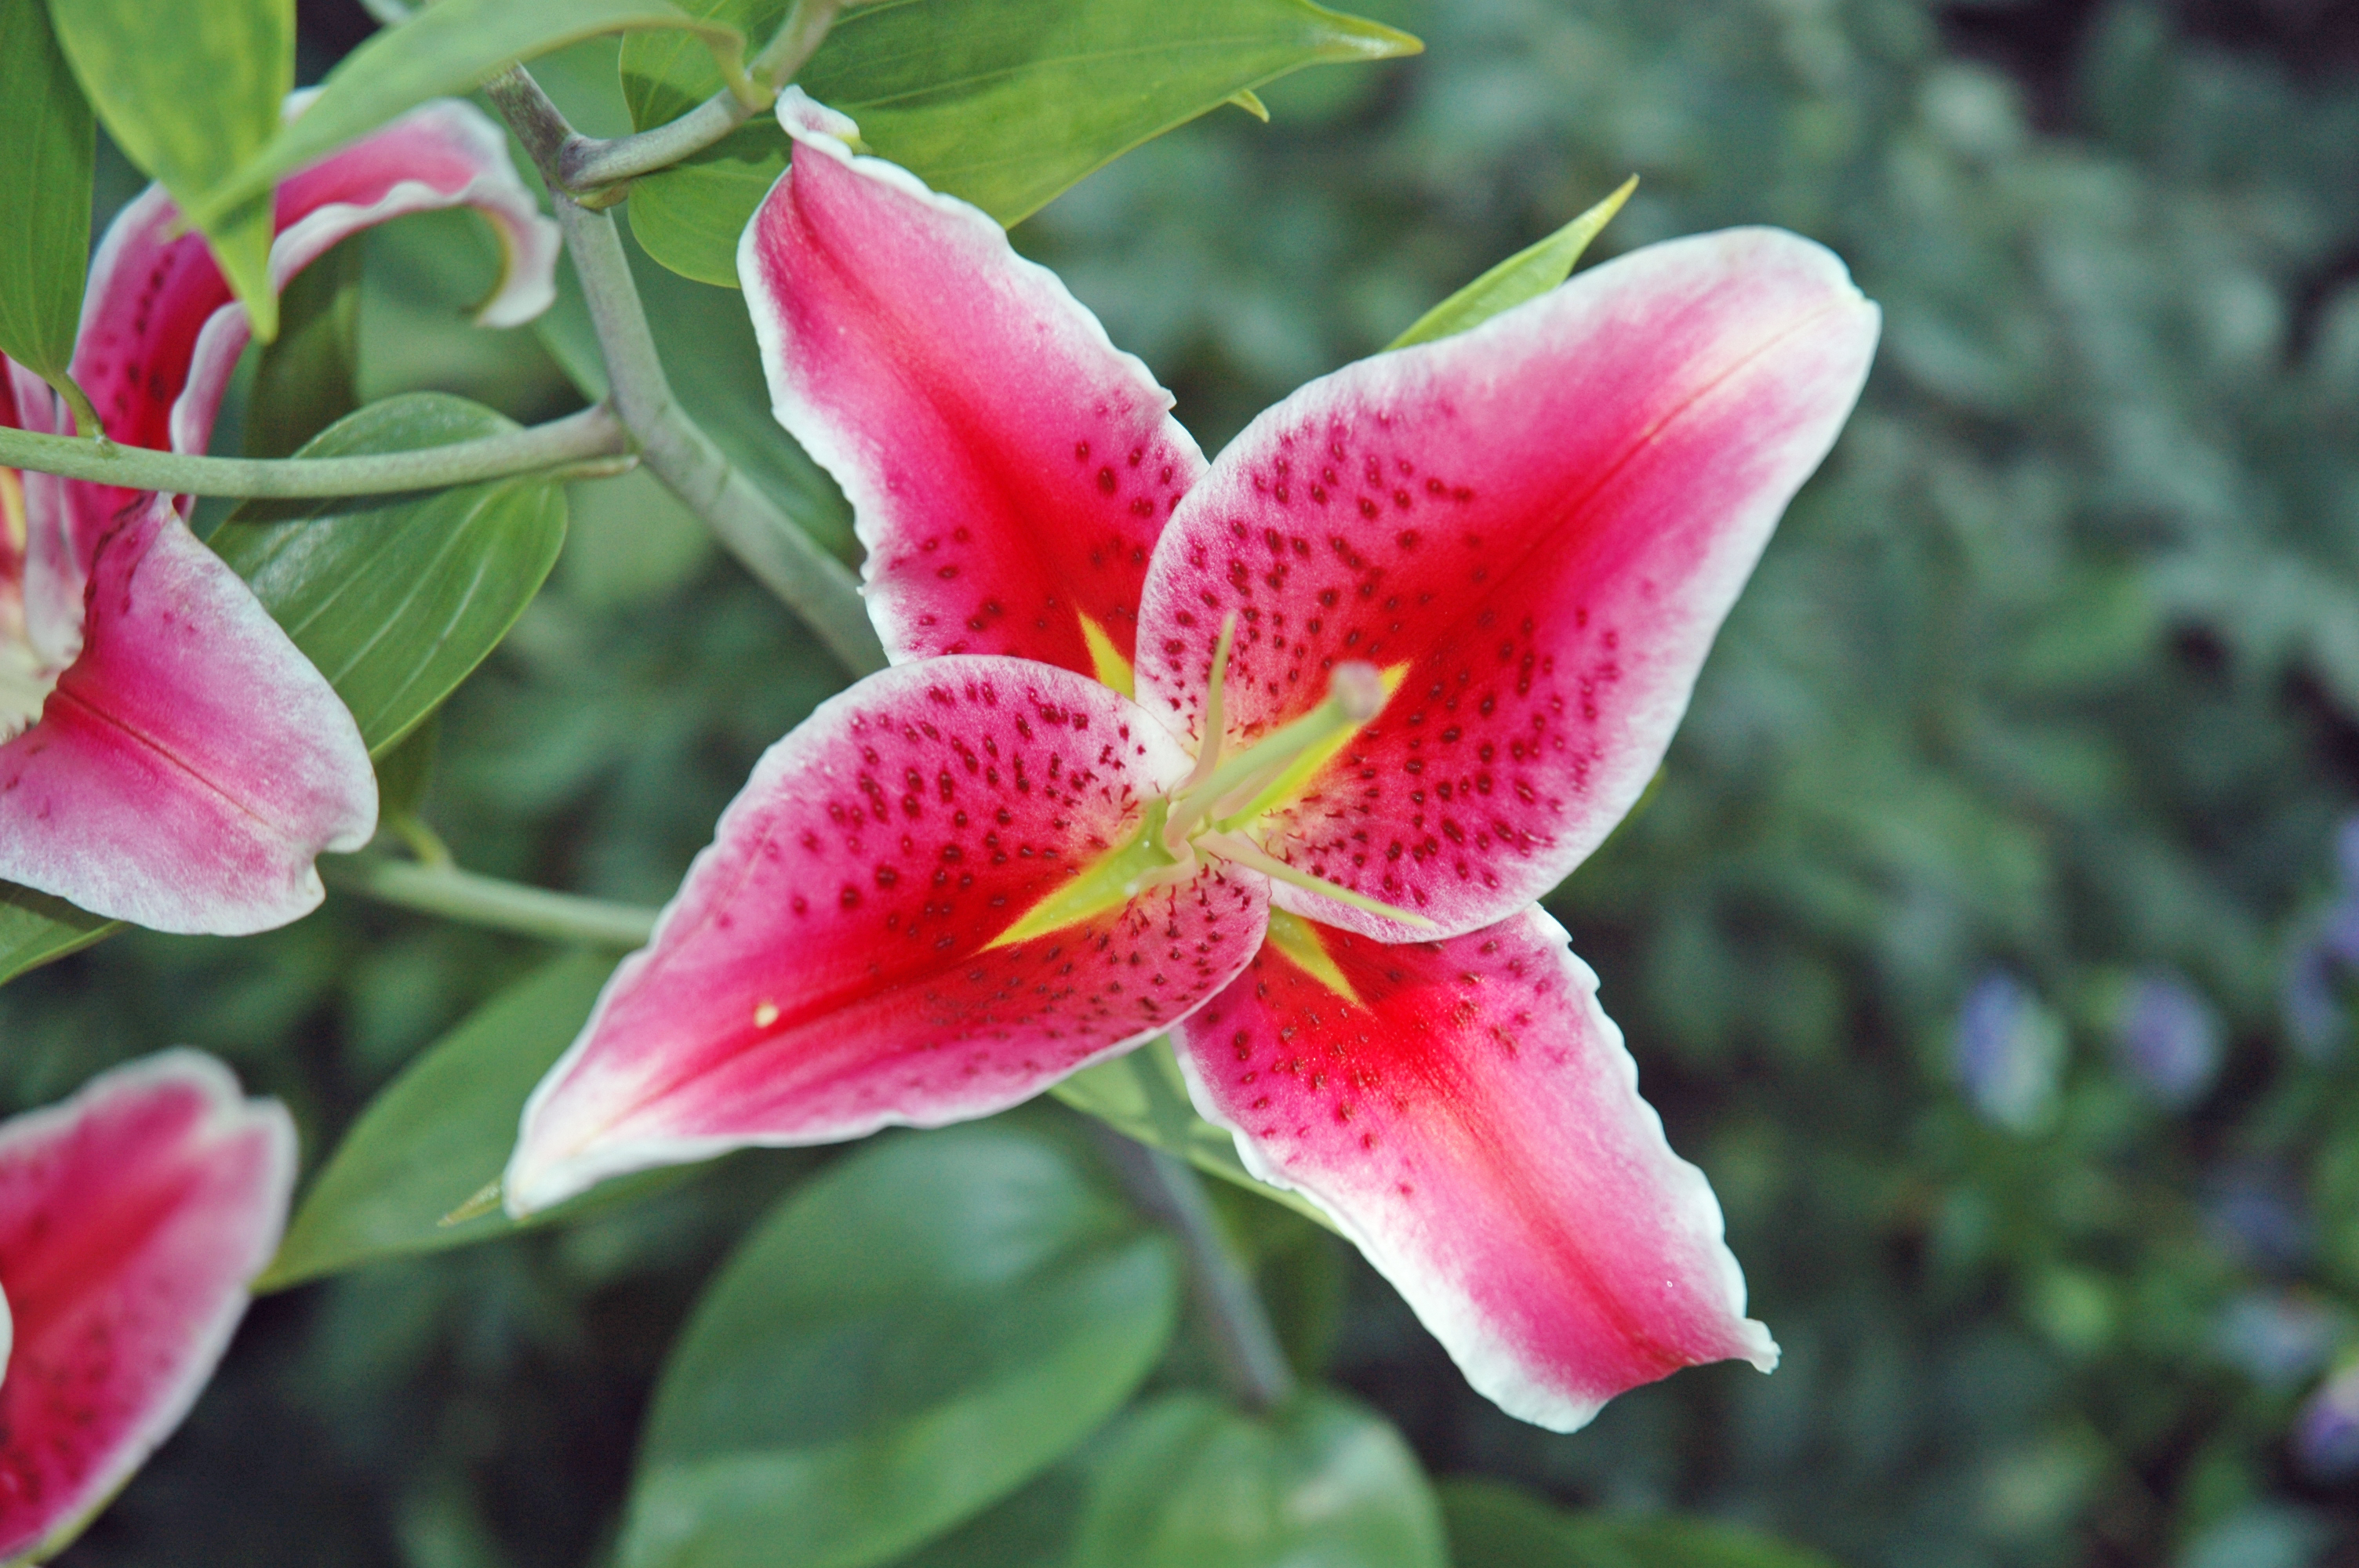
(2168, 1037)
(2010, 1053)
(2326, 1432)
(2313, 1012)
(2278, 1338)
(2255, 1219)
(2346, 852)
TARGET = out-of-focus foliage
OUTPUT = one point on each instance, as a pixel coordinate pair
(2050, 683)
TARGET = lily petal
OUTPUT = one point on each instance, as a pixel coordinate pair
(829, 965)
(1534, 529)
(191, 764)
(161, 331)
(1468, 1115)
(1009, 470)
(131, 1217)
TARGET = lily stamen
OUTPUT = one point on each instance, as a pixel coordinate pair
(1229, 846)
(1355, 694)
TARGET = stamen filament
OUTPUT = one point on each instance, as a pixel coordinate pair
(1353, 700)
(1228, 846)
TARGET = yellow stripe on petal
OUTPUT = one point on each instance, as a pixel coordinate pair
(1113, 669)
(1298, 939)
(1109, 882)
(13, 525)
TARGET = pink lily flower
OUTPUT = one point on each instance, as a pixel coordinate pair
(1273, 755)
(132, 1219)
(167, 756)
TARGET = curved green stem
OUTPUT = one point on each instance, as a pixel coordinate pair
(1254, 1368)
(755, 528)
(593, 433)
(488, 901)
(585, 163)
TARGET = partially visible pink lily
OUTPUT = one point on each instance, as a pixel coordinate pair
(169, 758)
(1273, 756)
(132, 1219)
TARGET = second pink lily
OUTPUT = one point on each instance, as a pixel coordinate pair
(167, 755)
(1273, 755)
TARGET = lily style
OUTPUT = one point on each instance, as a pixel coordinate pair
(1273, 754)
(167, 756)
(132, 1219)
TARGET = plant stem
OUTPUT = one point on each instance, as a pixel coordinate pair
(488, 901)
(585, 163)
(593, 433)
(1254, 1368)
(676, 449)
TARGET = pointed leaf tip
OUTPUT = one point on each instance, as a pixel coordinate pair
(1529, 274)
(1342, 37)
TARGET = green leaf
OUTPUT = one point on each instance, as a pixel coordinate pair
(1496, 1526)
(1143, 1095)
(1004, 103)
(189, 90)
(906, 1340)
(1529, 274)
(1190, 1482)
(405, 769)
(1031, 1528)
(438, 1133)
(305, 380)
(397, 603)
(36, 928)
(44, 194)
(453, 47)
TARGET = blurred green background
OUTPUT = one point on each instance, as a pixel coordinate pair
(1986, 942)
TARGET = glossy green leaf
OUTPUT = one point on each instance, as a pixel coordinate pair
(1142, 1094)
(398, 602)
(1529, 274)
(906, 1341)
(407, 768)
(1031, 1528)
(44, 193)
(305, 380)
(1189, 1482)
(36, 928)
(452, 47)
(1496, 1526)
(1004, 103)
(442, 1130)
(191, 91)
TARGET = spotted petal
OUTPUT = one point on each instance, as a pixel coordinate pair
(1468, 1115)
(1008, 468)
(131, 1217)
(831, 964)
(191, 764)
(1534, 529)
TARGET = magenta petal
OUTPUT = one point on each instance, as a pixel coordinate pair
(160, 333)
(1009, 469)
(827, 968)
(131, 1217)
(1469, 1115)
(1535, 528)
(191, 762)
